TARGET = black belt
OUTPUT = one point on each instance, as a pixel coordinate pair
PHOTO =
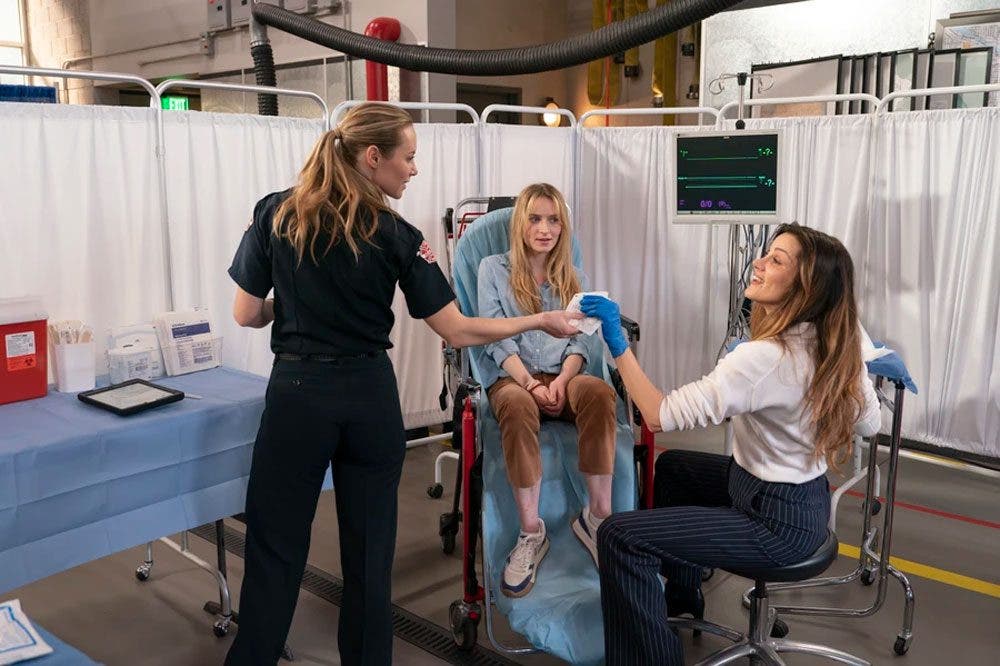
(327, 358)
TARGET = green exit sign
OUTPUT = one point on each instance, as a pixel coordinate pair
(175, 103)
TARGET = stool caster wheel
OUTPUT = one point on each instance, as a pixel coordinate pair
(221, 627)
(435, 491)
(779, 629)
(464, 619)
(707, 573)
(902, 645)
(867, 577)
(142, 571)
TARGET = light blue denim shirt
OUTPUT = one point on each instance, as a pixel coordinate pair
(539, 351)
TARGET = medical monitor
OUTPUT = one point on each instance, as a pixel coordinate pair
(730, 177)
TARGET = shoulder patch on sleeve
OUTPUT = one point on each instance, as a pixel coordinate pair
(426, 253)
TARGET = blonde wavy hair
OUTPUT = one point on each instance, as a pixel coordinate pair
(823, 295)
(331, 192)
(558, 265)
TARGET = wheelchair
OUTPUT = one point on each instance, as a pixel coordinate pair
(562, 615)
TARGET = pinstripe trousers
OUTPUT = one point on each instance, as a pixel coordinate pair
(713, 513)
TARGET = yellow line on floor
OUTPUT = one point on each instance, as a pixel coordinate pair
(933, 573)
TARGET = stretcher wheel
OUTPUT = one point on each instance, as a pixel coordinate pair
(867, 577)
(221, 627)
(448, 543)
(779, 629)
(435, 491)
(902, 645)
(464, 624)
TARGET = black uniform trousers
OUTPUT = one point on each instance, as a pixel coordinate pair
(711, 513)
(343, 413)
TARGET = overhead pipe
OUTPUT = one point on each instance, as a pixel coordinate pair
(576, 50)
(377, 74)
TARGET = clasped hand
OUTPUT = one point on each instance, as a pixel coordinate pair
(551, 399)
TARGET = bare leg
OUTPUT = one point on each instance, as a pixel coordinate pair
(599, 489)
(527, 507)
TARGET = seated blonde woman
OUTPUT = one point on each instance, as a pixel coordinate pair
(539, 377)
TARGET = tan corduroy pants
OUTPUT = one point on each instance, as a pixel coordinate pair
(590, 404)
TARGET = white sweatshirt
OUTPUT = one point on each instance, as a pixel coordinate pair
(762, 387)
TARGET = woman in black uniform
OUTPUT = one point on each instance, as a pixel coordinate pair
(333, 252)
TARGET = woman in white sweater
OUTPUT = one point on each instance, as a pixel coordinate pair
(796, 393)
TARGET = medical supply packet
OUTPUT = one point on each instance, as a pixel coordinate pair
(587, 325)
(187, 341)
(19, 641)
(134, 353)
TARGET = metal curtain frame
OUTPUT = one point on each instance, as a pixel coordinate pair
(246, 87)
(795, 100)
(536, 110)
(649, 111)
(342, 108)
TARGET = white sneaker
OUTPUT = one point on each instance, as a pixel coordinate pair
(585, 528)
(523, 561)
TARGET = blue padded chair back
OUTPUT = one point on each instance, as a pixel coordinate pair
(488, 235)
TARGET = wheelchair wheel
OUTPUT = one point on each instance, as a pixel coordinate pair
(902, 645)
(435, 491)
(463, 625)
(876, 507)
(867, 577)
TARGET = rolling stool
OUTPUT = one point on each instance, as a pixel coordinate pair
(757, 643)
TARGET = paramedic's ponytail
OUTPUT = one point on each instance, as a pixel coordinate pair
(331, 191)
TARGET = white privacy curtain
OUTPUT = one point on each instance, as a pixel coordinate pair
(518, 155)
(81, 222)
(672, 279)
(829, 158)
(447, 173)
(218, 166)
(934, 271)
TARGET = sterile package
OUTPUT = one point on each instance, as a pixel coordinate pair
(187, 341)
(586, 325)
(134, 353)
(19, 641)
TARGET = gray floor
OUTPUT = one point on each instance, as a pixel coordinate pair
(103, 610)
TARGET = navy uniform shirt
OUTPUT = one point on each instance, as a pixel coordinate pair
(338, 305)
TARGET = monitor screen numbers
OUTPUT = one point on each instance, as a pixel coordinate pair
(727, 177)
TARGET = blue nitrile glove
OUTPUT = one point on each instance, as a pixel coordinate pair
(611, 323)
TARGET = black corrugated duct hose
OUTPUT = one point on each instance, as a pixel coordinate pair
(577, 50)
(263, 67)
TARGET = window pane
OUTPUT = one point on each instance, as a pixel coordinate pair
(10, 21)
(10, 56)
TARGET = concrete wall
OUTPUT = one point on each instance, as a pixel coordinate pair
(57, 31)
(162, 39)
